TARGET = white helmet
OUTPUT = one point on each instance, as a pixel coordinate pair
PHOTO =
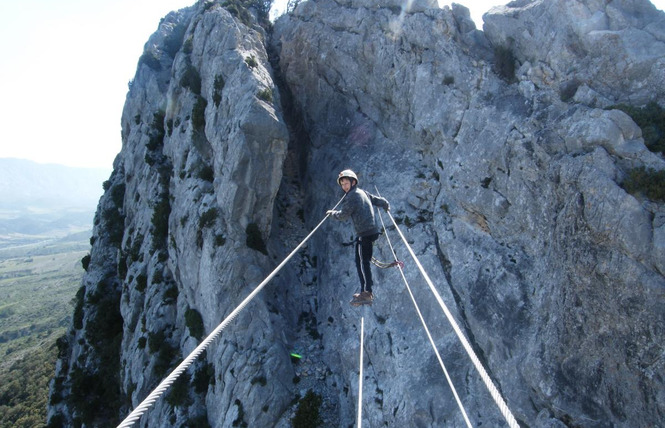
(347, 173)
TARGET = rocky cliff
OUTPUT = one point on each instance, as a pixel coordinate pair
(503, 159)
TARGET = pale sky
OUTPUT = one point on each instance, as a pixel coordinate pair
(64, 69)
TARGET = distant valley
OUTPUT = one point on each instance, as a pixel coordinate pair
(46, 217)
(39, 202)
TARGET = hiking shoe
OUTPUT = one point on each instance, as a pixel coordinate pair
(366, 296)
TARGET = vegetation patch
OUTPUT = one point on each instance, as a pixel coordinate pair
(178, 395)
(218, 86)
(194, 322)
(254, 238)
(157, 131)
(203, 377)
(265, 95)
(647, 182)
(95, 393)
(24, 388)
(141, 282)
(160, 221)
(173, 41)
(151, 60)
(78, 308)
(113, 216)
(198, 114)
(206, 173)
(308, 412)
(208, 218)
(251, 61)
(171, 295)
(191, 79)
(651, 119)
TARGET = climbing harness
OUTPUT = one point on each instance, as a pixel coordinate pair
(376, 262)
(136, 414)
(386, 265)
(494, 392)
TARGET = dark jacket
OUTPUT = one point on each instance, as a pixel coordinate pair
(358, 205)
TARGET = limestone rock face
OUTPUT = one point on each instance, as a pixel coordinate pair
(614, 48)
(508, 192)
(203, 150)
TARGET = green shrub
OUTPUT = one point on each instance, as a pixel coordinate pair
(78, 308)
(156, 341)
(157, 132)
(141, 282)
(118, 195)
(112, 215)
(85, 262)
(188, 46)
(165, 359)
(178, 395)
(200, 421)
(647, 182)
(208, 218)
(95, 393)
(218, 87)
(198, 114)
(251, 61)
(254, 239)
(150, 59)
(308, 412)
(160, 220)
(194, 322)
(504, 62)
(203, 377)
(173, 41)
(265, 95)
(651, 118)
(206, 173)
(191, 79)
(171, 294)
(237, 9)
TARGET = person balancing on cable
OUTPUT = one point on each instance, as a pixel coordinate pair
(358, 205)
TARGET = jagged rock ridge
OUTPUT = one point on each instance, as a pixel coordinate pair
(508, 187)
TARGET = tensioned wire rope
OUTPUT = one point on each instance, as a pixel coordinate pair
(429, 336)
(494, 392)
(360, 376)
(136, 414)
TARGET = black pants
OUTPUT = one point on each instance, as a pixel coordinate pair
(363, 259)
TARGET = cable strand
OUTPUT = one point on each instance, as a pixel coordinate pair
(494, 392)
(429, 336)
(136, 414)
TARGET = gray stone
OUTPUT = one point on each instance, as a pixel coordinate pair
(509, 193)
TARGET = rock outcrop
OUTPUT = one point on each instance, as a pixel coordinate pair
(507, 186)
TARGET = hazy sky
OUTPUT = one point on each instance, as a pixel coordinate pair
(64, 70)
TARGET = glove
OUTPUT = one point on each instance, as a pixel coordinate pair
(387, 207)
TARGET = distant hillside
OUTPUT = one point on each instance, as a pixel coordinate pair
(46, 199)
(27, 186)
